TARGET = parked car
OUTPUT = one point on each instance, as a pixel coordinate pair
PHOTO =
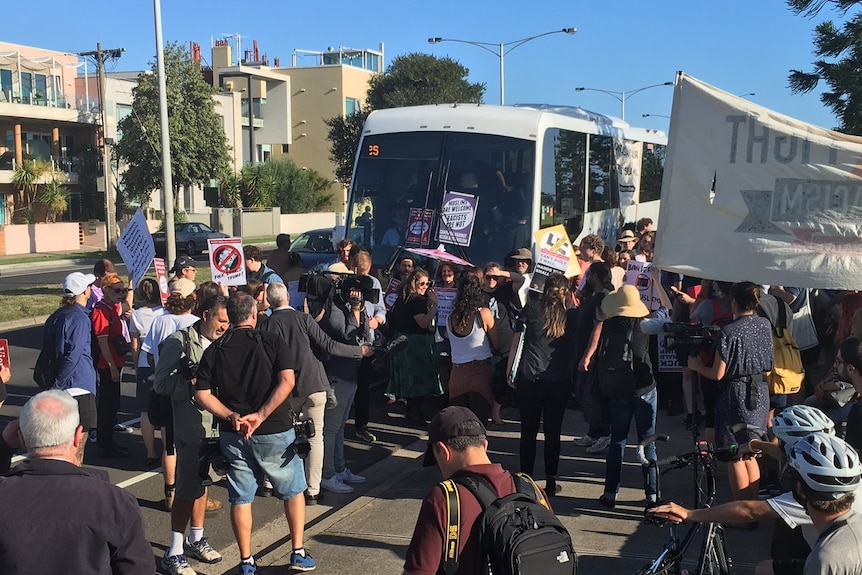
(315, 247)
(191, 238)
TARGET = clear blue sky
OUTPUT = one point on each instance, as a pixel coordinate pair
(738, 45)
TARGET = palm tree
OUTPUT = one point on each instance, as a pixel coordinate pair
(54, 196)
(26, 178)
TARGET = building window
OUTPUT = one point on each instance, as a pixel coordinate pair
(6, 85)
(352, 106)
(285, 148)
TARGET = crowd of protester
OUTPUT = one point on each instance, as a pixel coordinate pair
(250, 361)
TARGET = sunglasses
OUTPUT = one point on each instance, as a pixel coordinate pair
(422, 284)
(120, 290)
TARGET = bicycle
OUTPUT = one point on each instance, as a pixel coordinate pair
(713, 558)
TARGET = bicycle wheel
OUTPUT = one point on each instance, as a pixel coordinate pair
(713, 555)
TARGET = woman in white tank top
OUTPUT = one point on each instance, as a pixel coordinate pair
(469, 325)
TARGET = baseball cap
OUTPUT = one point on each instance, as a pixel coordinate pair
(183, 262)
(183, 286)
(76, 283)
(520, 254)
(445, 426)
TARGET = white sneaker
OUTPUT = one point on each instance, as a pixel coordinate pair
(348, 476)
(584, 441)
(120, 428)
(600, 445)
(335, 484)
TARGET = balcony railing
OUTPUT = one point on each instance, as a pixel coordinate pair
(34, 99)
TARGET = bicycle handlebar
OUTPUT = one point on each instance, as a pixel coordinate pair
(642, 445)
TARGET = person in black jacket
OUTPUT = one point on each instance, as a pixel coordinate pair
(79, 522)
(309, 396)
(545, 375)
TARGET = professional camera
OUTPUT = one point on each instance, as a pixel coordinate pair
(210, 455)
(687, 340)
(323, 285)
(188, 368)
(303, 427)
(388, 349)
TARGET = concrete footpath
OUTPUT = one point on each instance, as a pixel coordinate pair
(368, 531)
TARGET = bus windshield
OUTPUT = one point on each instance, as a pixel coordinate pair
(398, 175)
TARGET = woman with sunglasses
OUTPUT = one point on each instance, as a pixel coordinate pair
(413, 373)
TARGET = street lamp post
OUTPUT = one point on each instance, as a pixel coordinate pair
(621, 96)
(654, 116)
(500, 50)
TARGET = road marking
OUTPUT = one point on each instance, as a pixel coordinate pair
(138, 478)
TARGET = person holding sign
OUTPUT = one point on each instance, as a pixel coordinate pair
(473, 342)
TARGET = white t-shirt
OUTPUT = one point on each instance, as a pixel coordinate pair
(794, 515)
(161, 328)
(139, 325)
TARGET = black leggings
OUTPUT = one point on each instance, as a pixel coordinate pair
(542, 401)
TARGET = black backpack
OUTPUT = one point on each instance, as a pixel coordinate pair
(615, 364)
(518, 533)
(47, 366)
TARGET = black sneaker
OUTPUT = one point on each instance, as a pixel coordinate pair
(313, 499)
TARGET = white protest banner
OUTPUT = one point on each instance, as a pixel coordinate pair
(552, 251)
(778, 201)
(445, 297)
(638, 275)
(227, 263)
(136, 247)
(162, 278)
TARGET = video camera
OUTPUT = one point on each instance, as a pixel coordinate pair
(687, 340)
(325, 285)
(388, 349)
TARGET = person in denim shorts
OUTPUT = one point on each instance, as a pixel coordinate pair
(244, 379)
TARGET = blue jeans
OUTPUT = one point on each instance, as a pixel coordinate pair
(643, 410)
(334, 421)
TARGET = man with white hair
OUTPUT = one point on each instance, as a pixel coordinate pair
(80, 523)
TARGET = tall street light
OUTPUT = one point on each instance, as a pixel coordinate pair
(500, 51)
(654, 116)
(621, 96)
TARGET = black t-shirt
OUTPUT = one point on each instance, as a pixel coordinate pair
(404, 312)
(241, 369)
(854, 427)
(586, 322)
(498, 302)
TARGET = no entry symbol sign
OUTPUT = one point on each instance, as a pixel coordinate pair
(226, 261)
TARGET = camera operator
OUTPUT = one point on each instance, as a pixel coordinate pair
(309, 394)
(346, 322)
(742, 356)
(245, 380)
(175, 375)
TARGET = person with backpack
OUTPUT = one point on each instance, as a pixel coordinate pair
(455, 532)
(255, 269)
(743, 354)
(626, 378)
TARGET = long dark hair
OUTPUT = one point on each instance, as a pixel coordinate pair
(554, 303)
(468, 301)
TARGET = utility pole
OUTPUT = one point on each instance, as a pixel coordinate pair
(167, 178)
(110, 203)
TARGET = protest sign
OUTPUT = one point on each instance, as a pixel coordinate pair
(391, 294)
(446, 298)
(457, 218)
(419, 227)
(227, 263)
(638, 275)
(552, 251)
(4, 354)
(162, 278)
(136, 247)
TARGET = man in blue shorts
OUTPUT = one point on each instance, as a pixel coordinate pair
(244, 380)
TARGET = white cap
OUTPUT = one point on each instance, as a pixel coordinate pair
(76, 283)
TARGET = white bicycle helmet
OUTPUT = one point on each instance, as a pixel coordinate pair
(826, 463)
(795, 422)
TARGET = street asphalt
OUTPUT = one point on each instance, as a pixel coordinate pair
(368, 531)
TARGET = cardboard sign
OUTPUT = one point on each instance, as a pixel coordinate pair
(457, 218)
(552, 251)
(391, 293)
(419, 227)
(446, 298)
(227, 263)
(4, 354)
(136, 247)
(162, 278)
(638, 275)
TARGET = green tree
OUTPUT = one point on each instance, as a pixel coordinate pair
(410, 80)
(839, 63)
(26, 179)
(276, 182)
(54, 197)
(199, 149)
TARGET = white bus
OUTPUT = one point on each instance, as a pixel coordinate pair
(529, 166)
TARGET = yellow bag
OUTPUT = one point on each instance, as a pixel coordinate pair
(787, 371)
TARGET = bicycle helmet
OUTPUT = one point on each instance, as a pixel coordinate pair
(797, 421)
(827, 464)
